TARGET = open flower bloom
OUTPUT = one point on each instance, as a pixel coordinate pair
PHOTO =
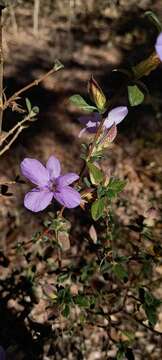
(92, 122)
(158, 46)
(50, 184)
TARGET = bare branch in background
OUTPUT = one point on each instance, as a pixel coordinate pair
(36, 17)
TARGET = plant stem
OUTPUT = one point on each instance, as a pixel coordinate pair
(29, 86)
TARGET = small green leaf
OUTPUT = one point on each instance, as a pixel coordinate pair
(130, 335)
(149, 298)
(35, 109)
(151, 314)
(82, 301)
(95, 174)
(120, 272)
(78, 101)
(120, 354)
(28, 104)
(66, 311)
(58, 65)
(115, 186)
(135, 95)
(64, 296)
(62, 277)
(149, 304)
(97, 209)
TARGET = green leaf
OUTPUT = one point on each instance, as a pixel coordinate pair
(87, 271)
(35, 109)
(82, 301)
(97, 208)
(149, 304)
(28, 104)
(64, 296)
(153, 18)
(87, 182)
(95, 174)
(130, 335)
(135, 95)
(66, 311)
(149, 298)
(62, 277)
(101, 191)
(151, 314)
(105, 266)
(115, 186)
(78, 101)
(120, 272)
(58, 65)
(120, 354)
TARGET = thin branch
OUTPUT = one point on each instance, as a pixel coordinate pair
(32, 84)
(18, 125)
(36, 17)
(12, 141)
(142, 324)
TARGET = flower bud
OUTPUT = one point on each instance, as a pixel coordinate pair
(97, 95)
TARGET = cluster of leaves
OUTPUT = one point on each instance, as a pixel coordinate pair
(98, 284)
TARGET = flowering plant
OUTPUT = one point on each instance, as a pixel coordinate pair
(105, 276)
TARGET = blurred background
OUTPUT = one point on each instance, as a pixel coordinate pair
(88, 37)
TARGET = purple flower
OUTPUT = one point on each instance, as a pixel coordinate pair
(2, 353)
(50, 184)
(158, 46)
(92, 122)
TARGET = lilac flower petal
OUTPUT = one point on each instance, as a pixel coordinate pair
(158, 46)
(82, 132)
(2, 354)
(93, 129)
(53, 165)
(37, 200)
(116, 115)
(84, 119)
(90, 129)
(34, 171)
(94, 117)
(67, 179)
(68, 197)
(92, 124)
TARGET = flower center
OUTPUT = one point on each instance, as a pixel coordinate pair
(52, 185)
